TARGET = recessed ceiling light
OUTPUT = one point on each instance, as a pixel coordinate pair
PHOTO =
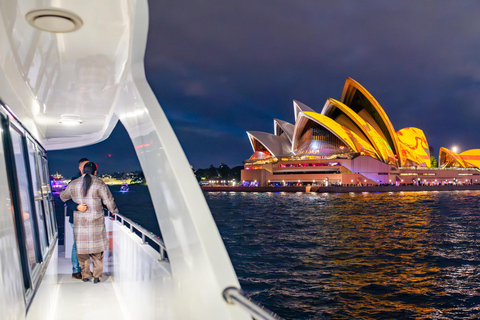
(70, 120)
(54, 20)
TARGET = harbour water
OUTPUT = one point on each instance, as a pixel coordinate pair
(411, 255)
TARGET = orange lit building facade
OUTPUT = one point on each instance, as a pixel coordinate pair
(350, 142)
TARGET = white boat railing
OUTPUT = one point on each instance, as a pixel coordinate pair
(231, 295)
(144, 233)
(235, 296)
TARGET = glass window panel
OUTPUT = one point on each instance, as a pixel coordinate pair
(48, 197)
(25, 203)
(37, 193)
(44, 190)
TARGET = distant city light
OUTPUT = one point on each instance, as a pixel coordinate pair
(455, 149)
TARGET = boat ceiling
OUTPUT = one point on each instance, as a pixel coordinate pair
(71, 77)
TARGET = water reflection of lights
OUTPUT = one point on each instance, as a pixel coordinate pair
(391, 255)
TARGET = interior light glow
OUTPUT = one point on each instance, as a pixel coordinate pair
(70, 120)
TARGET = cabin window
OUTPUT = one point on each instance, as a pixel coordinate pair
(26, 210)
(31, 200)
(37, 194)
(47, 194)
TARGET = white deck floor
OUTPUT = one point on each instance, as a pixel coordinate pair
(79, 300)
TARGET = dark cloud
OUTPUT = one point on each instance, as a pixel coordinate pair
(247, 60)
(220, 68)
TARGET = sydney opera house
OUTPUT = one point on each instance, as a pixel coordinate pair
(351, 142)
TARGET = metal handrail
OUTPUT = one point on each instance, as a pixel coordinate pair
(144, 232)
(235, 296)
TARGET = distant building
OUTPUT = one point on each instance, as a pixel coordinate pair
(111, 180)
(58, 183)
(350, 142)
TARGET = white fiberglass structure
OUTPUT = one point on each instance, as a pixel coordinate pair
(69, 71)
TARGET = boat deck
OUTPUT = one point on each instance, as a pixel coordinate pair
(79, 300)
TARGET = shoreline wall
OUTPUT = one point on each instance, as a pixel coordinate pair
(341, 189)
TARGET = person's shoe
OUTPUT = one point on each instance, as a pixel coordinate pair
(96, 280)
(77, 275)
(86, 279)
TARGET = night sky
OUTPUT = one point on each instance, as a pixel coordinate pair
(221, 68)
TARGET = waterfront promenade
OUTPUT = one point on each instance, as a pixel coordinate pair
(334, 189)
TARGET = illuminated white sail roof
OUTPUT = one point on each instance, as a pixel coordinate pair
(300, 107)
(285, 127)
(276, 145)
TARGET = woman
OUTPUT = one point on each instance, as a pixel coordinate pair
(89, 226)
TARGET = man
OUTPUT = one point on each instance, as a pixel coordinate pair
(71, 207)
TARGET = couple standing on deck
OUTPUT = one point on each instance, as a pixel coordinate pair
(85, 197)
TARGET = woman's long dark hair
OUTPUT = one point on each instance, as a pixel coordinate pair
(88, 169)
